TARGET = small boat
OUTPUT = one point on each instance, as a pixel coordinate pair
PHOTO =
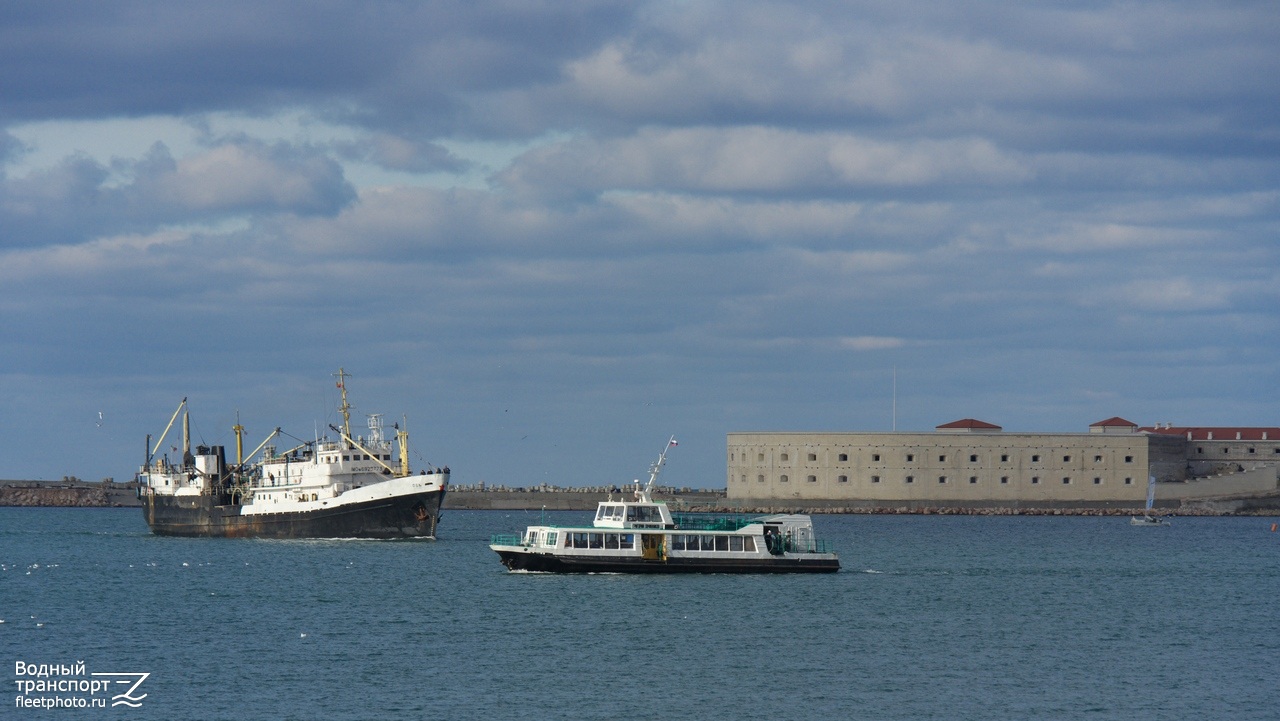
(1147, 519)
(644, 536)
(344, 487)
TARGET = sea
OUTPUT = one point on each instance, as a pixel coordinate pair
(930, 617)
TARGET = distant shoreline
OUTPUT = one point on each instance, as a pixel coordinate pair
(79, 494)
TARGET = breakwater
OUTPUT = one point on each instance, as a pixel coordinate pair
(124, 495)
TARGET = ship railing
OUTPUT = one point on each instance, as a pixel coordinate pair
(712, 522)
(507, 539)
(791, 545)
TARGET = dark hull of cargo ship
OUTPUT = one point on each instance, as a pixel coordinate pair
(409, 516)
(547, 563)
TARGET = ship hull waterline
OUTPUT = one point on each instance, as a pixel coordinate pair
(547, 563)
(413, 515)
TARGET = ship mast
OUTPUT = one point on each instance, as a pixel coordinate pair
(645, 494)
(346, 407)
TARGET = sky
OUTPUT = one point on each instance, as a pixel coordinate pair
(548, 236)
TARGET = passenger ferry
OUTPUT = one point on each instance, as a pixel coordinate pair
(644, 536)
(346, 487)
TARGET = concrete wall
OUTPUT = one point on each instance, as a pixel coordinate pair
(943, 467)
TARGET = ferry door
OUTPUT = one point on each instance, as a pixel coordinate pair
(651, 546)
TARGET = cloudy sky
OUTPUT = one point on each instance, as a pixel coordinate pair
(548, 235)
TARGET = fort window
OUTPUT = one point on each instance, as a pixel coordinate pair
(1066, 480)
(1128, 459)
(1004, 480)
(911, 479)
(784, 479)
(813, 479)
(760, 479)
(1199, 449)
(844, 456)
(942, 479)
(760, 457)
(973, 457)
(875, 479)
(1251, 450)
(1097, 459)
(1004, 458)
(1035, 458)
(843, 479)
(1225, 450)
(1097, 481)
(942, 458)
(973, 479)
(1128, 481)
(1066, 459)
(876, 456)
(1035, 479)
(910, 457)
(786, 457)
(813, 456)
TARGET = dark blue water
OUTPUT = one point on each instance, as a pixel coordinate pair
(931, 618)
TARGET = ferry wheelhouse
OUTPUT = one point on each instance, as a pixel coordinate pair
(644, 536)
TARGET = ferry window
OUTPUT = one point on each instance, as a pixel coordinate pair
(600, 514)
(631, 513)
(749, 544)
(580, 540)
(735, 543)
(627, 540)
(677, 543)
(722, 543)
(596, 540)
(844, 456)
(551, 538)
(346, 458)
(708, 543)
(813, 456)
(533, 538)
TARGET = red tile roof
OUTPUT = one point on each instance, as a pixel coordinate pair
(1114, 421)
(971, 423)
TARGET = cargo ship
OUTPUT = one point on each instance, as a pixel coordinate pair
(341, 487)
(643, 536)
